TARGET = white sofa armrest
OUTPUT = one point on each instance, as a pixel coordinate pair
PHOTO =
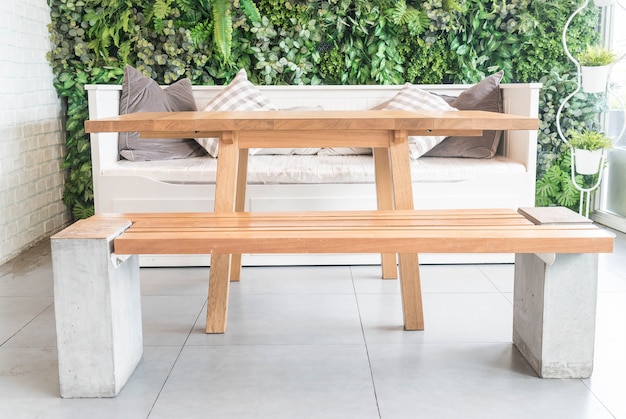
(521, 99)
(104, 102)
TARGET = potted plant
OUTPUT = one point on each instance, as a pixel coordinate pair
(594, 66)
(588, 147)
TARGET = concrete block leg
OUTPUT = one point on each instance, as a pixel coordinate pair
(97, 308)
(554, 313)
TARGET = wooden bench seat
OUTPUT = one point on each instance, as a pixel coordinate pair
(555, 270)
(420, 231)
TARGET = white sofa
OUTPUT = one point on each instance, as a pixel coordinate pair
(288, 182)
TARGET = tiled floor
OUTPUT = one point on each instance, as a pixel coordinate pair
(315, 342)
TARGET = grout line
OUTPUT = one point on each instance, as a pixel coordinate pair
(156, 399)
(498, 290)
(367, 353)
(595, 396)
(27, 323)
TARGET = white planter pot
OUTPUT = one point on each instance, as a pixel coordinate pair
(602, 3)
(594, 78)
(587, 162)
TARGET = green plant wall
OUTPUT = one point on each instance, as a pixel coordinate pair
(315, 42)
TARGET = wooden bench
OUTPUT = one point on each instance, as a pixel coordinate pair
(96, 274)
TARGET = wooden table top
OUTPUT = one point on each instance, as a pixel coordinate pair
(192, 124)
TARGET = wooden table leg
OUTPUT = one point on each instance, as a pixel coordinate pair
(411, 290)
(403, 199)
(240, 205)
(384, 197)
(217, 306)
(219, 274)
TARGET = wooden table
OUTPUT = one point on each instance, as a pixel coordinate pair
(385, 131)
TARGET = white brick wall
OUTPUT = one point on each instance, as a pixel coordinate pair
(31, 137)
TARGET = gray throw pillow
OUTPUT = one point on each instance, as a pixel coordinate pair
(142, 94)
(484, 96)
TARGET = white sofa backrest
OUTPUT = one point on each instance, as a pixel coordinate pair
(328, 97)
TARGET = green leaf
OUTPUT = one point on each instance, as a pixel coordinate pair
(463, 49)
(250, 10)
(161, 9)
(222, 27)
(80, 211)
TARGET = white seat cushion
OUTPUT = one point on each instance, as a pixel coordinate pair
(293, 169)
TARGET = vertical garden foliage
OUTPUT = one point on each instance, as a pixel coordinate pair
(317, 42)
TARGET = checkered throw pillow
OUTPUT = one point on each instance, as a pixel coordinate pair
(412, 98)
(239, 95)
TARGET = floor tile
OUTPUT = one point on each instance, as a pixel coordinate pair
(510, 297)
(29, 274)
(472, 381)
(368, 280)
(29, 388)
(39, 332)
(611, 317)
(455, 279)
(35, 283)
(28, 373)
(608, 381)
(17, 312)
(269, 381)
(434, 279)
(174, 281)
(276, 280)
(286, 319)
(169, 320)
(448, 318)
(610, 279)
(500, 275)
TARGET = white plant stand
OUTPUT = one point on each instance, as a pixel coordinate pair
(585, 193)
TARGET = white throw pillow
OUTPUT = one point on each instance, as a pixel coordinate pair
(239, 95)
(412, 98)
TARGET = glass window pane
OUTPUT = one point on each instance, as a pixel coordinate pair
(612, 211)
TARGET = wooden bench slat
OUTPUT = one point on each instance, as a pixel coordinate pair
(290, 217)
(453, 240)
(390, 214)
(346, 228)
(321, 224)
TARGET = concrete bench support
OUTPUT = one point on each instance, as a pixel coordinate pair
(554, 313)
(97, 308)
